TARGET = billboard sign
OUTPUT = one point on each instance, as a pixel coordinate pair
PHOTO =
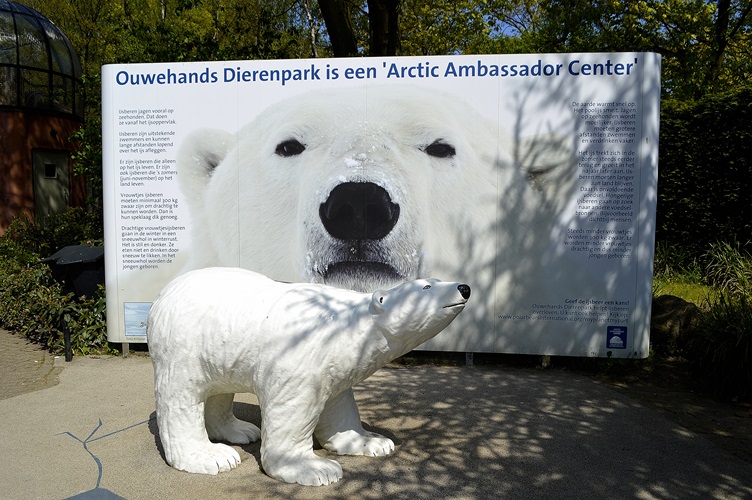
(530, 177)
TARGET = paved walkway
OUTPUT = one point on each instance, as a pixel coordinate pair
(461, 433)
(25, 367)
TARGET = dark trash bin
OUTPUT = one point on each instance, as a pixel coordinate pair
(79, 268)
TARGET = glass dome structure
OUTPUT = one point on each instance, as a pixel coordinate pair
(39, 69)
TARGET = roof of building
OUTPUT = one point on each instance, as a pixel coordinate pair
(39, 68)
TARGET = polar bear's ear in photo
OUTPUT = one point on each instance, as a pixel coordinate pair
(198, 156)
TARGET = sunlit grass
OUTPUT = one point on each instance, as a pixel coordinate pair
(696, 293)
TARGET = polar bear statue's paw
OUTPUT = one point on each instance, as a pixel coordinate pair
(308, 471)
(211, 458)
(233, 431)
(351, 442)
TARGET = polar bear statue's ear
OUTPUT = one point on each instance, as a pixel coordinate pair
(198, 156)
(377, 302)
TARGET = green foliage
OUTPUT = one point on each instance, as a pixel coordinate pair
(86, 320)
(25, 237)
(444, 27)
(31, 302)
(676, 264)
(719, 346)
(34, 305)
(694, 292)
(705, 172)
(87, 159)
(704, 44)
(17, 244)
(729, 268)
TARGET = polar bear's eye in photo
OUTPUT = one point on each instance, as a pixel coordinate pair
(426, 287)
(290, 147)
(440, 149)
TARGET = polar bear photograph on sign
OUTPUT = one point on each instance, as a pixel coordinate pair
(365, 188)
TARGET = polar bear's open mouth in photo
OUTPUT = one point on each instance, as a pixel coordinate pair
(351, 274)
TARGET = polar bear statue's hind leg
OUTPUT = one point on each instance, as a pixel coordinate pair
(222, 425)
(186, 443)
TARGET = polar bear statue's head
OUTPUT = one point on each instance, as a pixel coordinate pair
(415, 311)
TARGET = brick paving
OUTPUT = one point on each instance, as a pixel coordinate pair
(25, 367)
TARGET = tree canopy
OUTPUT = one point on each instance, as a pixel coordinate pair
(705, 44)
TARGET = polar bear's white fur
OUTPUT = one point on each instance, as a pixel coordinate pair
(298, 347)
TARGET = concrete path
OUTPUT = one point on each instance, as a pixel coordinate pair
(461, 433)
(24, 367)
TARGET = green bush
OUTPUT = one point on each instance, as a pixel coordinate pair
(719, 345)
(86, 319)
(705, 171)
(729, 268)
(75, 226)
(31, 302)
(674, 263)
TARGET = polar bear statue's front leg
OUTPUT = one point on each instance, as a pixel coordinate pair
(339, 429)
(287, 425)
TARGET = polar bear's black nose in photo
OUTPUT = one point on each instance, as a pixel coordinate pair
(464, 291)
(359, 211)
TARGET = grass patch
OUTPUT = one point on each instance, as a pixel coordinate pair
(697, 293)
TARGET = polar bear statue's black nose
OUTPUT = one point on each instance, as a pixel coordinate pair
(464, 291)
(359, 211)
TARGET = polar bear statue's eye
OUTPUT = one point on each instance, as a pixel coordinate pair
(426, 287)
(440, 149)
(289, 147)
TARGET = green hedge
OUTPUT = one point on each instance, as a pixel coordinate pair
(31, 302)
(705, 172)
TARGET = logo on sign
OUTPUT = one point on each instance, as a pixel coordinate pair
(616, 337)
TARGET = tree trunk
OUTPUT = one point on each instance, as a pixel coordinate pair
(337, 17)
(383, 20)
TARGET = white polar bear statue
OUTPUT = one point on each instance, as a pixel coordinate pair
(299, 347)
